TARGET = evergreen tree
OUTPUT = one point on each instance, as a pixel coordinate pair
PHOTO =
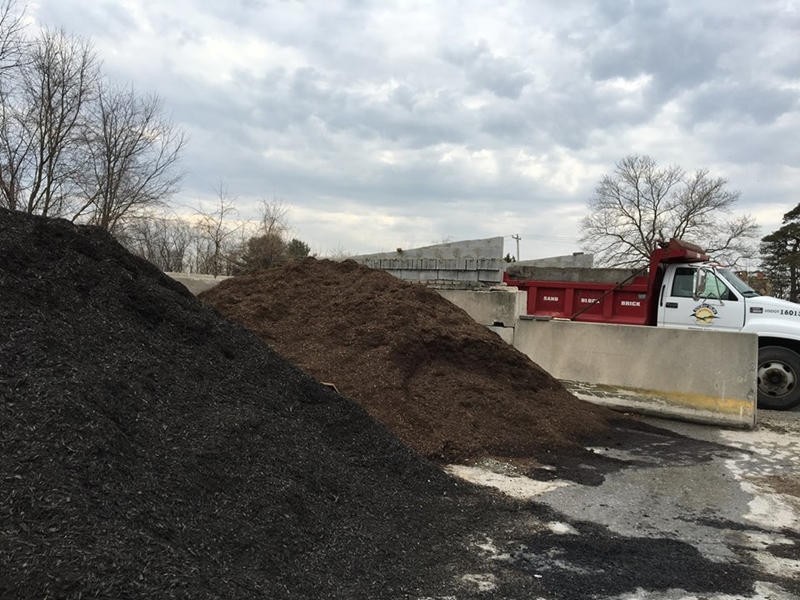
(780, 256)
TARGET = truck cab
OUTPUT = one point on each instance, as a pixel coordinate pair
(702, 296)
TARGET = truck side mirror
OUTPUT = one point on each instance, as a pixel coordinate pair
(699, 283)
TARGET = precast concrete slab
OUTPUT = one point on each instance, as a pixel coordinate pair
(708, 376)
(197, 283)
(468, 261)
(499, 306)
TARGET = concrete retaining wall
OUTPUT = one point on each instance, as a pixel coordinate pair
(577, 260)
(706, 376)
(466, 261)
(497, 307)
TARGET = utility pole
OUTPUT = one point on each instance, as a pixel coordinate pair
(518, 238)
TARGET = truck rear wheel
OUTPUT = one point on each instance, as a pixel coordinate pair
(778, 378)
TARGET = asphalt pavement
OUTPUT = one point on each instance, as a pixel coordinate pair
(729, 498)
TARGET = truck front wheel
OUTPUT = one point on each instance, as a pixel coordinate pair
(778, 378)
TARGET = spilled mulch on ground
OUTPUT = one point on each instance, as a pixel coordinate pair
(782, 484)
(447, 386)
(151, 449)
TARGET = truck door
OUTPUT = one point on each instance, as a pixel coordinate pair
(715, 307)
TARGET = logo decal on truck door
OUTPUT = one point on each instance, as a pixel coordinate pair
(704, 314)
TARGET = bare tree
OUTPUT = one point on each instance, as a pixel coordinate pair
(11, 143)
(11, 39)
(272, 217)
(338, 253)
(164, 241)
(269, 244)
(15, 148)
(267, 247)
(43, 104)
(215, 230)
(641, 204)
(132, 153)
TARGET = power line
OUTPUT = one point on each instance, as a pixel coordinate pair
(538, 236)
(550, 238)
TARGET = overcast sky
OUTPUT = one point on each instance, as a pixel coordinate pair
(405, 123)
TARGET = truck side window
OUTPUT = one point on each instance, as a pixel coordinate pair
(683, 284)
(716, 289)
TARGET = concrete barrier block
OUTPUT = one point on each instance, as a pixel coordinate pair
(495, 276)
(709, 372)
(405, 275)
(710, 410)
(481, 248)
(490, 264)
(488, 308)
(427, 275)
(195, 282)
(506, 333)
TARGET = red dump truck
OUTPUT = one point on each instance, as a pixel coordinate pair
(680, 288)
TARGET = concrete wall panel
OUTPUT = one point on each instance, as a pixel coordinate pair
(506, 333)
(699, 375)
(502, 305)
(465, 261)
(195, 283)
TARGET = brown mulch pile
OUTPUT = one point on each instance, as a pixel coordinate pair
(447, 386)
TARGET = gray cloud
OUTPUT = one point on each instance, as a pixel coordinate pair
(761, 103)
(494, 108)
(503, 76)
(677, 53)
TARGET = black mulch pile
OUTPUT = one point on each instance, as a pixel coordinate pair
(151, 449)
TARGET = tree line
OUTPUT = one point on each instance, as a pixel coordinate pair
(214, 240)
(75, 144)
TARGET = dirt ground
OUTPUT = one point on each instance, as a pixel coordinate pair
(150, 448)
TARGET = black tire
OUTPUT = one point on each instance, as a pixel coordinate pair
(778, 378)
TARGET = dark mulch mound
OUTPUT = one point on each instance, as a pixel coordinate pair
(151, 449)
(447, 386)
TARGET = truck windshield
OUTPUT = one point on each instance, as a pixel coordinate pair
(731, 278)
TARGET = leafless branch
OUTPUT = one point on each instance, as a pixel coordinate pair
(640, 203)
(132, 156)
